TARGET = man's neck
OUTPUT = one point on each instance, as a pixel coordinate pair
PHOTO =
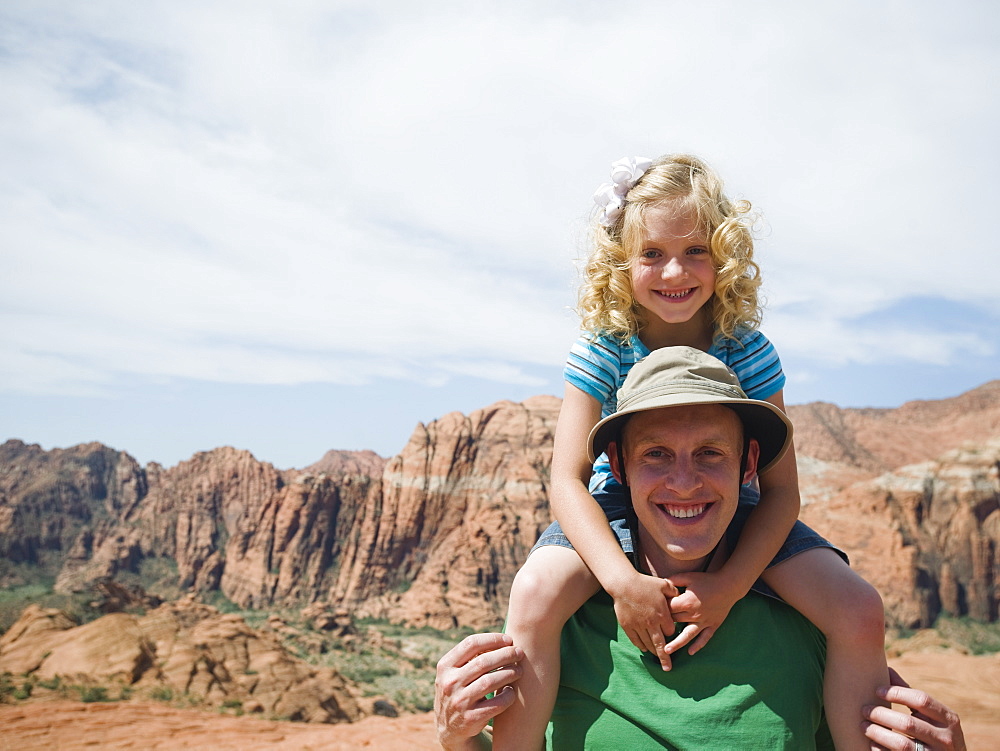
(659, 562)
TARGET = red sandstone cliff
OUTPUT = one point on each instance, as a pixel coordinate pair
(460, 508)
(434, 535)
(926, 535)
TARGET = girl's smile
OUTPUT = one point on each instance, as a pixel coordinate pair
(673, 275)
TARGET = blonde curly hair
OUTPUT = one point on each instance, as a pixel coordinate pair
(606, 302)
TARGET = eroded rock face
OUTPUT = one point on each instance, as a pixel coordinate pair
(461, 507)
(434, 535)
(227, 521)
(187, 647)
(926, 535)
(53, 501)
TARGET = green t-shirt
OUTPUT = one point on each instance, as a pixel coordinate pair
(758, 684)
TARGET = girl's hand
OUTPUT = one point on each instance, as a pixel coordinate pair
(642, 606)
(704, 606)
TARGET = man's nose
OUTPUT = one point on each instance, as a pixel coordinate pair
(682, 476)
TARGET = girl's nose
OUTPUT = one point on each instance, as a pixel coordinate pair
(673, 269)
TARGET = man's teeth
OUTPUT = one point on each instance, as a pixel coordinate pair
(685, 512)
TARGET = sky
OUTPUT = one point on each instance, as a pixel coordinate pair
(300, 226)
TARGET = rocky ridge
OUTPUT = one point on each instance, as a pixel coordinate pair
(185, 649)
(434, 535)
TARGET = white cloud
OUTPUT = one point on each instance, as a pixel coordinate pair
(335, 192)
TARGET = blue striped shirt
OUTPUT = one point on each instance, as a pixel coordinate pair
(598, 364)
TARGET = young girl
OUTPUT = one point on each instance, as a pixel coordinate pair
(673, 265)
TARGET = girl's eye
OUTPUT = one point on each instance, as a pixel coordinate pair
(650, 253)
(697, 250)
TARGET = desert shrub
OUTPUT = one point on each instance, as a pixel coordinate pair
(90, 694)
(365, 667)
(24, 691)
(162, 693)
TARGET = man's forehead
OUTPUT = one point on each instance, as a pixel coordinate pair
(702, 420)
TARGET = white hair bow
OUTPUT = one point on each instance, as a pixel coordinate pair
(610, 197)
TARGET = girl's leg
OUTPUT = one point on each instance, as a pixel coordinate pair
(551, 585)
(848, 610)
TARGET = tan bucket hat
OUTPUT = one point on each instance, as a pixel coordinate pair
(682, 376)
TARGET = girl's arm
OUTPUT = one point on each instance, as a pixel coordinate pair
(711, 596)
(640, 601)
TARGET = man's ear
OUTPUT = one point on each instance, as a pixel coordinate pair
(612, 452)
(753, 456)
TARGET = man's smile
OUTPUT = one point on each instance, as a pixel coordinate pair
(685, 511)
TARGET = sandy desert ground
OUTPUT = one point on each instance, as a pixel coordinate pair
(970, 685)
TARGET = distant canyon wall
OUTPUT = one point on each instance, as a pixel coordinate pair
(434, 535)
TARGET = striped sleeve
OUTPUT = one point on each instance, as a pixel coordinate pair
(755, 361)
(593, 366)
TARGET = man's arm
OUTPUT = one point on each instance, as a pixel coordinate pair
(478, 665)
(930, 722)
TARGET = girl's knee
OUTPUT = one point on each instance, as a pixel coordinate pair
(551, 585)
(861, 620)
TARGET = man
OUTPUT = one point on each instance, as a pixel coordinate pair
(683, 440)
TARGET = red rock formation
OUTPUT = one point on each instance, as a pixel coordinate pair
(232, 523)
(435, 535)
(927, 535)
(460, 509)
(187, 647)
(53, 500)
(879, 440)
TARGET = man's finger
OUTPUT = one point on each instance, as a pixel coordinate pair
(495, 681)
(922, 705)
(886, 738)
(471, 646)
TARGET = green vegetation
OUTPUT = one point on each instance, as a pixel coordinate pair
(162, 693)
(14, 600)
(7, 686)
(389, 660)
(90, 694)
(978, 637)
(156, 575)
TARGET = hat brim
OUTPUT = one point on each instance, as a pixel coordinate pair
(762, 421)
